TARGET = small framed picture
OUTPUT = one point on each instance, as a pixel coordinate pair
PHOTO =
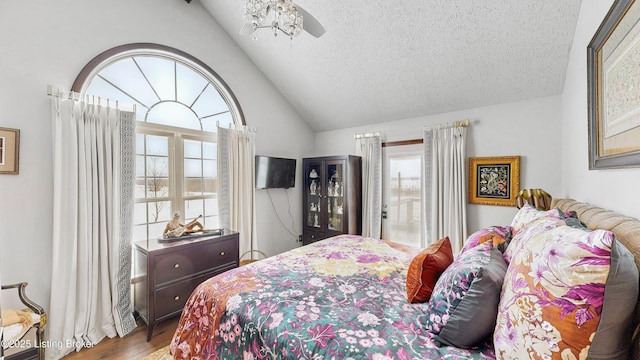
(9, 150)
(494, 180)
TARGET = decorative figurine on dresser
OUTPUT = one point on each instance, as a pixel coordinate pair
(175, 229)
(166, 272)
(332, 197)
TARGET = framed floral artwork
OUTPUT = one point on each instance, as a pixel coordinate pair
(494, 180)
(9, 149)
(613, 78)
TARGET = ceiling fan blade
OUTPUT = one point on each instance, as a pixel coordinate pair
(310, 24)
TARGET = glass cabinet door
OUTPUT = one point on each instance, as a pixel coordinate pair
(313, 181)
(335, 196)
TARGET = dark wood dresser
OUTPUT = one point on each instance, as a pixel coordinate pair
(165, 273)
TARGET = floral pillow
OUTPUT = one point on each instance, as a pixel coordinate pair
(464, 303)
(568, 294)
(425, 269)
(521, 239)
(528, 213)
(498, 235)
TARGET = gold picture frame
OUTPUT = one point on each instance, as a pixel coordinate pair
(494, 180)
(9, 151)
(613, 78)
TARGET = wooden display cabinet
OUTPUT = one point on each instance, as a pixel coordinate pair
(331, 197)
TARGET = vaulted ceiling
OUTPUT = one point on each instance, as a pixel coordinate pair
(390, 60)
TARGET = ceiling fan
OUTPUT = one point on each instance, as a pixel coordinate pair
(286, 17)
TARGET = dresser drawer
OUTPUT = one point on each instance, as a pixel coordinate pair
(171, 299)
(176, 265)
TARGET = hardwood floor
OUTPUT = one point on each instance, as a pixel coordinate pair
(131, 347)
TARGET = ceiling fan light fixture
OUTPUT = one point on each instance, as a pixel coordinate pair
(285, 16)
(255, 13)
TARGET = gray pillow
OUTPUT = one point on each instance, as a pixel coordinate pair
(475, 316)
(613, 335)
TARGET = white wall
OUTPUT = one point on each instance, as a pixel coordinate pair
(529, 128)
(48, 42)
(613, 189)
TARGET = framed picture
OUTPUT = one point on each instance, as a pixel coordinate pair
(9, 148)
(613, 78)
(494, 180)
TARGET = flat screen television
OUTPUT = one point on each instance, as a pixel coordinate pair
(274, 173)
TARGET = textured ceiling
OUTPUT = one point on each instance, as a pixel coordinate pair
(389, 60)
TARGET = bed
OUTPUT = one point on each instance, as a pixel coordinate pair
(340, 298)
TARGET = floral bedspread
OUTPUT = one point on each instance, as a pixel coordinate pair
(340, 298)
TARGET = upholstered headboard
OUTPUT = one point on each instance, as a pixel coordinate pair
(627, 230)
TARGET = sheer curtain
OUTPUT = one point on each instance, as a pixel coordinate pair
(94, 158)
(236, 189)
(370, 148)
(445, 197)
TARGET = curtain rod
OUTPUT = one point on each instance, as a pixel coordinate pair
(366, 135)
(72, 95)
(233, 126)
(455, 124)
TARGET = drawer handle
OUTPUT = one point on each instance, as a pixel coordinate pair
(221, 253)
(176, 298)
(176, 266)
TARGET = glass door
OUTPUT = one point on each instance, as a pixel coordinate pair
(402, 194)
(313, 182)
(335, 195)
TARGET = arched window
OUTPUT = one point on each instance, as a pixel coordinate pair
(179, 100)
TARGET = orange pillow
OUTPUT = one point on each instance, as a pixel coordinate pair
(426, 268)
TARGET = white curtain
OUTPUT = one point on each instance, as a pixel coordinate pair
(236, 192)
(445, 159)
(370, 149)
(94, 158)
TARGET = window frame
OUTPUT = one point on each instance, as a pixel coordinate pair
(176, 136)
(114, 54)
